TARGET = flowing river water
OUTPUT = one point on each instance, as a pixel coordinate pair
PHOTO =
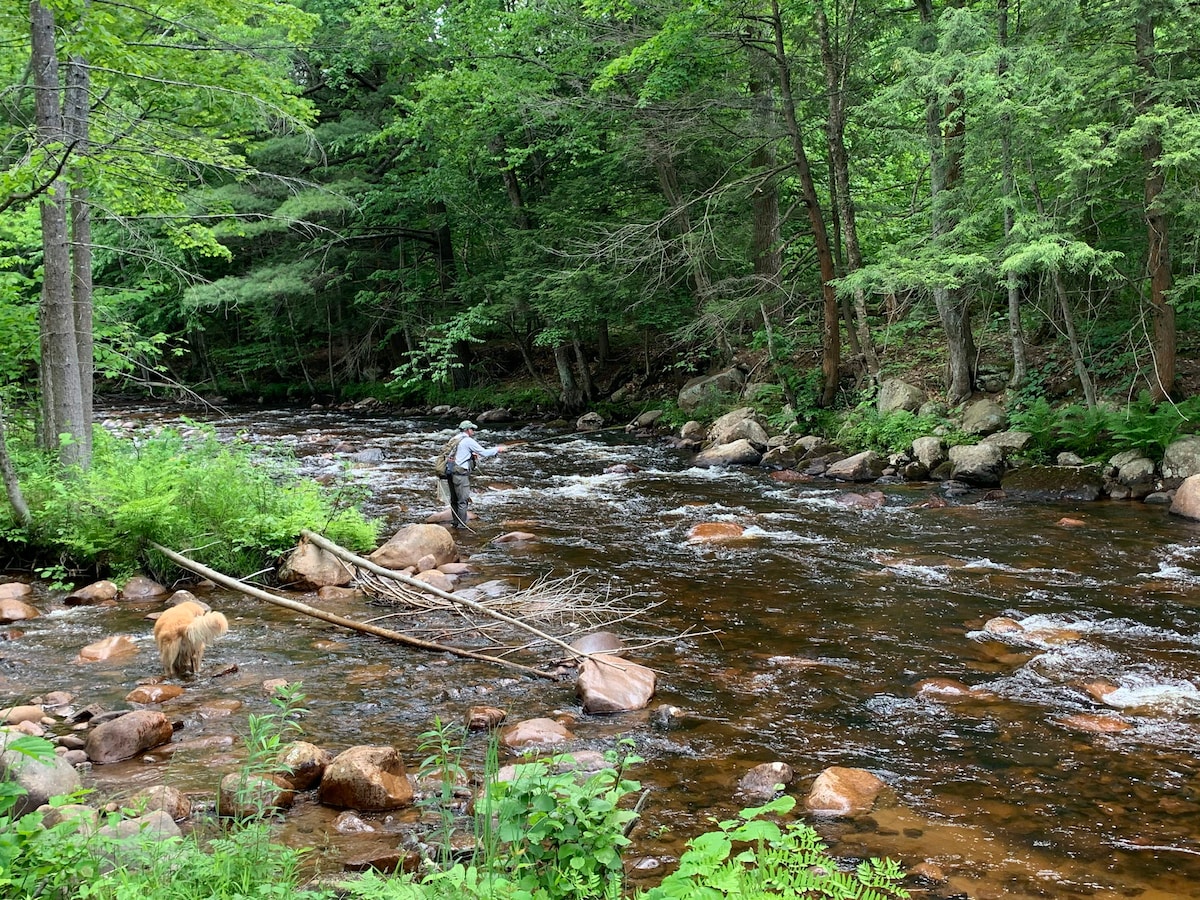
(828, 619)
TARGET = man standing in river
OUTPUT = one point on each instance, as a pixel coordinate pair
(468, 452)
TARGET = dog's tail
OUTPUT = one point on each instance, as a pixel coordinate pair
(207, 628)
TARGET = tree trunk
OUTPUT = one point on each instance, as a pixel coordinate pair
(585, 372)
(836, 62)
(1016, 333)
(76, 121)
(1158, 246)
(571, 398)
(12, 487)
(63, 423)
(945, 169)
(830, 333)
(1064, 305)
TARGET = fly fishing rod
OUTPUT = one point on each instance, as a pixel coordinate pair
(559, 437)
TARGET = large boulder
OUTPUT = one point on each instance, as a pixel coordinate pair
(248, 795)
(710, 387)
(984, 417)
(896, 395)
(978, 464)
(14, 610)
(740, 424)
(738, 453)
(929, 452)
(302, 764)
(1181, 459)
(41, 780)
(126, 736)
(406, 547)
(1050, 483)
(310, 567)
(865, 466)
(1187, 499)
(366, 779)
(534, 734)
(609, 684)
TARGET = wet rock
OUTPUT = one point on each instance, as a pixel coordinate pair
(15, 590)
(1053, 483)
(873, 500)
(790, 476)
(715, 531)
(949, 689)
(334, 594)
(764, 781)
(86, 819)
(119, 645)
(16, 611)
(310, 567)
(609, 684)
(1181, 460)
(589, 421)
(1187, 499)
(127, 736)
(437, 579)
(1094, 724)
(841, 791)
(301, 764)
(366, 778)
(599, 642)
(865, 466)
(154, 693)
(348, 822)
(427, 562)
(737, 453)
(929, 872)
(534, 734)
(151, 827)
(244, 795)
(515, 537)
(484, 718)
(164, 798)
(1003, 625)
(1070, 522)
(95, 593)
(412, 542)
(141, 588)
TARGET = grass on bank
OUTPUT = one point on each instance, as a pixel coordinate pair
(230, 506)
(546, 833)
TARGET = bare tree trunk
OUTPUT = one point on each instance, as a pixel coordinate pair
(571, 397)
(830, 333)
(1016, 333)
(12, 487)
(585, 373)
(1158, 245)
(1064, 305)
(62, 395)
(76, 122)
(836, 62)
(945, 169)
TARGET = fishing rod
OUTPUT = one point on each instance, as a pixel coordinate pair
(559, 437)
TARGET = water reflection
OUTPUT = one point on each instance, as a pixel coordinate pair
(830, 618)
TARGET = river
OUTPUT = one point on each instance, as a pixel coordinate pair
(827, 618)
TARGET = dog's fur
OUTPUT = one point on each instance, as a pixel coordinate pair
(182, 632)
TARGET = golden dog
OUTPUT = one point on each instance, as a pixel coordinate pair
(182, 632)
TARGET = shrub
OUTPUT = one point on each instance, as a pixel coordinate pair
(230, 506)
(789, 861)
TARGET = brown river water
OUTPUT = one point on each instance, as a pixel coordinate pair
(827, 619)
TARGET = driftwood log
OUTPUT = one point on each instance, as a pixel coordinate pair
(250, 591)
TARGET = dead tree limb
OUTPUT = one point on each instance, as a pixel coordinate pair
(294, 605)
(355, 560)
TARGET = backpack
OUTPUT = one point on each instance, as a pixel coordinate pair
(443, 464)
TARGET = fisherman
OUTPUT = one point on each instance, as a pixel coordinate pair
(466, 455)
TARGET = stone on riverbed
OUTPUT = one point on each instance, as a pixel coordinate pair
(310, 567)
(840, 791)
(609, 684)
(534, 733)
(408, 545)
(764, 781)
(127, 736)
(367, 779)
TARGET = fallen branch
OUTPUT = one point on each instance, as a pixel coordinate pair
(259, 594)
(355, 560)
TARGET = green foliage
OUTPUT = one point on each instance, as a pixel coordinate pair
(773, 861)
(1100, 432)
(864, 428)
(231, 507)
(561, 833)
(443, 744)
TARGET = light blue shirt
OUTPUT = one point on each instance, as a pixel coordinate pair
(468, 447)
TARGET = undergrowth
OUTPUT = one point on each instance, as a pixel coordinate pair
(230, 506)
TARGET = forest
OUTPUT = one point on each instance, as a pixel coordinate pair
(328, 199)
